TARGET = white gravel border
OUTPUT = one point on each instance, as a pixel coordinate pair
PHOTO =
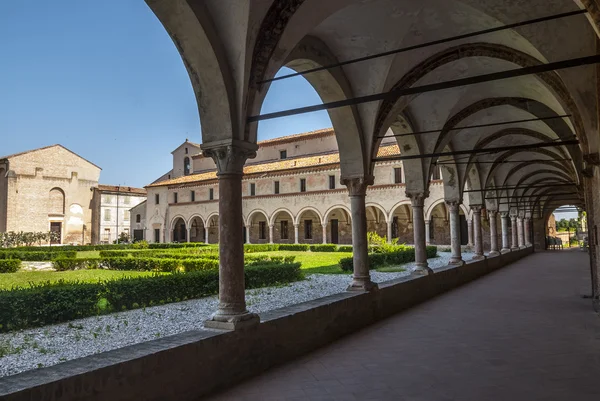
(50, 345)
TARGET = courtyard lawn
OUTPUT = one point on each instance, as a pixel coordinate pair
(315, 262)
(23, 278)
(88, 254)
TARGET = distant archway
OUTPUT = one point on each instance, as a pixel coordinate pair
(179, 230)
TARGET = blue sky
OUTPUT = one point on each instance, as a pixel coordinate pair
(104, 79)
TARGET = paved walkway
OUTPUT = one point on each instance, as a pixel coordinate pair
(523, 333)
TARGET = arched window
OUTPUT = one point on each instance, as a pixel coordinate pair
(56, 201)
(186, 166)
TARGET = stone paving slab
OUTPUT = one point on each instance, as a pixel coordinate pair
(522, 333)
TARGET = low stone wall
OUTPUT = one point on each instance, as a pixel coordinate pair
(189, 365)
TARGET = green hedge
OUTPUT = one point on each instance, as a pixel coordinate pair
(395, 257)
(160, 245)
(9, 265)
(183, 253)
(294, 247)
(36, 256)
(137, 264)
(324, 248)
(249, 248)
(51, 303)
(345, 248)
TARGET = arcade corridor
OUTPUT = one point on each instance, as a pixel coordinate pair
(522, 333)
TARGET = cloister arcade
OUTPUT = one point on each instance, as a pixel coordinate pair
(501, 95)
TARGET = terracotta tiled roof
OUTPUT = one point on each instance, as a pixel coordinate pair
(122, 189)
(297, 137)
(279, 165)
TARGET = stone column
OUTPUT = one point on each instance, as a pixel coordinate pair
(189, 230)
(427, 232)
(527, 224)
(247, 228)
(205, 235)
(357, 190)
(521, 234)
(477, 232)
(296, 237)
(513, 226)
(324, 226)
(389, 231)
(454, 209)
(493, 233)
(271, 227)
(417, 200)
(505, 241)
(231, 313)
(470, 232)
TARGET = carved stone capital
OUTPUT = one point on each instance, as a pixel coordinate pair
(417, 199)
(229, 157)
(453, 205)
(476, 208)
(492, 213)
(504, 214)
(357, 186)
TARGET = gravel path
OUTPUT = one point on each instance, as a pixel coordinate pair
(50, 345)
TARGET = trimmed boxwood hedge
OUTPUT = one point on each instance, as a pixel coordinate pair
(324, 248)
(294, 247)
(36, 256)
(136, 264)
(51, 303)
(345, 248)
(395, 257)
(9, 265)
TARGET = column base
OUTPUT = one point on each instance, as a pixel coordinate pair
(494, 253)
(362, 285)
(505, 250)
(523, 247)
(514, 248)
(478, 257)
(456, 262)
(421, 270)
(232, 322)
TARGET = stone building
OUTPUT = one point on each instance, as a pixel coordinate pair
(291, 194)
(54, 189)
(48, 189)
(111, 210)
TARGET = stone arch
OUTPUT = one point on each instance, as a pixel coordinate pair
(437, 216)
(338, 222)
(212, 227)
(333, 208)
(310, 226)
(331, 85)
(179, 229)
(400, 217)
(56, 201)
(196, 226)
(259, 233)
(305, 209)
(491, 50)
(377, 219)
(283, 228)
(194, 34)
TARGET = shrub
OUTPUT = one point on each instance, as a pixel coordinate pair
(162, 245)
(51, 303)
(64, 264)
(143, 244)
(324, 248)
(192, 265)
(345, 248)
(397, 254)
(141, 264)
(431, 251)
(294, 247)
(249, 248)
(36, 256)
(9, 265)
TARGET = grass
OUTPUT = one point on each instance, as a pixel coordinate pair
(315, 262)
(23, 278)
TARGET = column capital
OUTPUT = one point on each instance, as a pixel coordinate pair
(453, 205)
(504, 214)
(492, 213)
(357, 186)
(417, 199)
(229, 156)
(476, 208)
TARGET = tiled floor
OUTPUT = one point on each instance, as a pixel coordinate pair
(523, 333)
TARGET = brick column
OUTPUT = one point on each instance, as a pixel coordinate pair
(417, 199)
(477, 232)
(357, 190)
(231, 313)
(454, 209)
